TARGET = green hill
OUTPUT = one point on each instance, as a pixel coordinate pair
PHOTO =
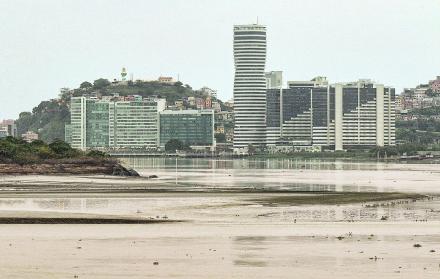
(49, 117)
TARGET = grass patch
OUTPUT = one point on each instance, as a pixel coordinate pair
(336, 198)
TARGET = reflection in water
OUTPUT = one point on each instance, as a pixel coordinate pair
(273, 174)
(204, 163)
(257, 185)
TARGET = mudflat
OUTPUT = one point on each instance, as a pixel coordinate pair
(316, 220)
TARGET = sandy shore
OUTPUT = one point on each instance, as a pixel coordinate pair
(240, 223)
(372, 250)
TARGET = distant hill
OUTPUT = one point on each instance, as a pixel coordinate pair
(49, 117)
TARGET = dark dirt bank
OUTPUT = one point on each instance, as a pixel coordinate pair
(71, 166)
(75, 220)
(337, 198)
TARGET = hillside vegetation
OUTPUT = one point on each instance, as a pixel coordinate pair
(49, 117)
(18, 157)
(18, 151)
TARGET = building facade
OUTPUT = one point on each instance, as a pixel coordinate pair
(249, 86)
(29, 136)
(340, 116)
(133, 125)
(8, 128)
(100, 124)
(274, 79)
(192, 127)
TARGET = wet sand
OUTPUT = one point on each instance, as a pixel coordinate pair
(229, 232)
(221, 251)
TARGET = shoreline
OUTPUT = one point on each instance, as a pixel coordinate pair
(67, 167)
(56, 217)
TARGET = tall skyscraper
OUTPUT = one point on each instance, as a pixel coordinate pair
(249, 86)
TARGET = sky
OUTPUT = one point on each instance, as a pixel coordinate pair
(49, 44)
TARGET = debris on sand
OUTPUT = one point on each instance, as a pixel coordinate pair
(417, 245)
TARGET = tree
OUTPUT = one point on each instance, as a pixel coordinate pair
(61, 148)
(86, 85)
(251, 149)
(178, 84)
(174, 144)
(97, 154)
(101, 83)
(384, 151)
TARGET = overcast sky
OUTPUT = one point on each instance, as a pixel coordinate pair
(47, 45)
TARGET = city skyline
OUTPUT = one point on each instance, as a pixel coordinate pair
(51, 45)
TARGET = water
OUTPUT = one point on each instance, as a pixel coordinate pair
(300, 175)
(226, 233)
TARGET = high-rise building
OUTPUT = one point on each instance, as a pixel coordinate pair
(274, 81)
(108, 124)
(249, 86)
(339, 116)
(133, 125)
(89, 122)
(273, 116)
(364, 114)
(192, 127)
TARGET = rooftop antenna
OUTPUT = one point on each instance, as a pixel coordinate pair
(257, 20)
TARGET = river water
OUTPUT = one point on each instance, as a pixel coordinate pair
(225, 234)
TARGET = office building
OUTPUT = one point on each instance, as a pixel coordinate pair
(340, 116)
(98, 124)
(192, 127)
(134, 125)
(249, 86)
(274, 80)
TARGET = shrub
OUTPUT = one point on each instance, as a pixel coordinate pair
(97, 154)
